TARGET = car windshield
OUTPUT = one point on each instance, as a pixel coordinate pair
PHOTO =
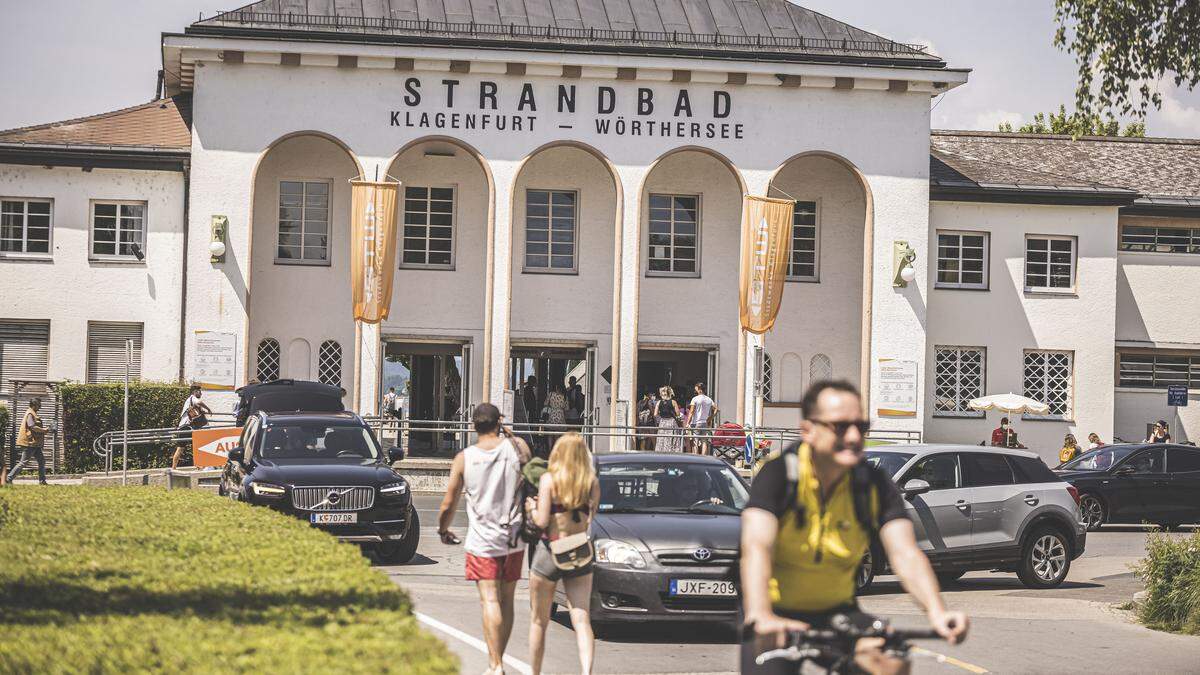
(888, 462)
(1100, 459)
(670, 487)
(318, 440)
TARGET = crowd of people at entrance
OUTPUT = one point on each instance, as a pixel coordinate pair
(665, 426)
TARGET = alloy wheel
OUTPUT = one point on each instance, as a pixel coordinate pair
(1049, 557)
(1093, 511)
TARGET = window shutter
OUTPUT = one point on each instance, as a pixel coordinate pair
(106, 351)
(25, 355)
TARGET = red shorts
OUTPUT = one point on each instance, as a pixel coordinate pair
(503, 568)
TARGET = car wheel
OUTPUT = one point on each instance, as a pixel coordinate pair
(1093, 511)
(1045, 559)
(866, 571)
(949, 576)
(402, 551)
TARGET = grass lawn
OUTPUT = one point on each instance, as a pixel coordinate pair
(140, 579)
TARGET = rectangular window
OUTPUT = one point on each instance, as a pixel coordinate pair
(1049, 378)
(1049, 263)
(25, 227)
(550, 230)
(674, 235)
(962, 260)
(303, 236)
(1157, 369)
(428, 227)
(106, 356)
(958, 377)
(118, 229)
(1151, 239)
(804, 264)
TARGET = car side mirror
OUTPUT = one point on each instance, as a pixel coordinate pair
(395, 454)
(237, 454)
(1125, 471)
(915, 487)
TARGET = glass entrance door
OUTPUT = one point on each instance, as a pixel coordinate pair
(431, 382)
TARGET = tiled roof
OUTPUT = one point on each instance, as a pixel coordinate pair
(761, 29)
(1161, 170)
(164, 124)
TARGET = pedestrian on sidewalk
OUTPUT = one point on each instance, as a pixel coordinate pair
(667, 414)
(490, 471)
(1070, 449)
(30, 437)
(193, 416)
(568, 496)
(700, 414)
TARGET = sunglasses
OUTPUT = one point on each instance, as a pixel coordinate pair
(840, 428)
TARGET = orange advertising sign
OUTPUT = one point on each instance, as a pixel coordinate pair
(210, 447)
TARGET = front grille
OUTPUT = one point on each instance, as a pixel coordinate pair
(687, 559)
(344, 498)
(686, 604)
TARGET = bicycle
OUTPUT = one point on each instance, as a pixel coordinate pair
(833, 648)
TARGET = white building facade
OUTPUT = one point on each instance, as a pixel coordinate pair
(572, 188)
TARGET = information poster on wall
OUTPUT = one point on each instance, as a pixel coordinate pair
(897, 393)
(508, 404)
(215, 360)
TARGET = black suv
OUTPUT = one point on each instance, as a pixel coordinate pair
(288, 395)
(328, 469)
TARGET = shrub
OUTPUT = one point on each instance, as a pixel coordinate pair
(90, 584)
(92, 409)
(1171, 572)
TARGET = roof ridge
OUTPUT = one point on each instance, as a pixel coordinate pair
(1013, 135)
(1041, 172)
(87, 118)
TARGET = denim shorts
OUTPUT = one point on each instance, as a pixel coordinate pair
(544, 567)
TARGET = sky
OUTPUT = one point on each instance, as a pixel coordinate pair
(106, 56)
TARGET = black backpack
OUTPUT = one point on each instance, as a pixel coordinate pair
(864, 482)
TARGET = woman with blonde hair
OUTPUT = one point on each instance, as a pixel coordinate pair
(667, 413)
(568, 496)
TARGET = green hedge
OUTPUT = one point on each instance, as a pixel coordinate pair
(92, 409)
(119, 580)
(1171, 572)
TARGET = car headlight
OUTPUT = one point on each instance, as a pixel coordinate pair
(394, 489)
(613, 552)
(267, 489)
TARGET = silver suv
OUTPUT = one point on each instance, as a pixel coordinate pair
(983, 508)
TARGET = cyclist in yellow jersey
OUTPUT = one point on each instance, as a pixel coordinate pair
(804, 533)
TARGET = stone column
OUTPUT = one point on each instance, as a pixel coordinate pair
(626, 294)
(497, 322)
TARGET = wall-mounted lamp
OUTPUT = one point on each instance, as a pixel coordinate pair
(903, 258)
(216, 246)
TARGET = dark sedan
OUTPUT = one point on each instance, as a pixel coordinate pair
(1136, 483)
(666, 538)
(327, 469)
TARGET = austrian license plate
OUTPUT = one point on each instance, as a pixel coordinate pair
(709, 587)
(333, 518)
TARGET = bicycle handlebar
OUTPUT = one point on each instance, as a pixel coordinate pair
(839, 640)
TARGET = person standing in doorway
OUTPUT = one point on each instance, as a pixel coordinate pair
(667, 413)
(646, 420)
(389, 408)
(700, 414)
(490, 471)
(575, 403)
(194, 416)
(30, 437)
(568, 496)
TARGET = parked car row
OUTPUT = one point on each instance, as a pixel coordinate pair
(1155, 483)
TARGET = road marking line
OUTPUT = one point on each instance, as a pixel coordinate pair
(520, 666)
(942, 658)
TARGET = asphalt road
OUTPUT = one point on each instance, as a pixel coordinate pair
(1075, 628)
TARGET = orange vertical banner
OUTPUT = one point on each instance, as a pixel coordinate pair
(373, 253)
(766, 243)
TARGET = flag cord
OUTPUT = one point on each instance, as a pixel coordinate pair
(774, 187)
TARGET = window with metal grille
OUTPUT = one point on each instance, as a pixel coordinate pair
(804, 264)
(820, 367)
(958, 377)
(550, 231)
(25, 226)
(106, 356)
(1157, 369)
(428, 227)
(1151, 239)
(329, 363)
(303, 235)
(117, 229)
(1049, 263)
(766, 378)
(962, 260)
(1049, 378)
(674, 235)
(267, 364)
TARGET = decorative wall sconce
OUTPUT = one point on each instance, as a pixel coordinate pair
(220, 230)
(903, 258)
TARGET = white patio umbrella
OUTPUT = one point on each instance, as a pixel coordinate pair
(1009, 403)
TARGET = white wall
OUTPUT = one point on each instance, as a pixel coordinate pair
(70, 290)
(1007, 320)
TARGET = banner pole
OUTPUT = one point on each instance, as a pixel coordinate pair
(357, 397)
